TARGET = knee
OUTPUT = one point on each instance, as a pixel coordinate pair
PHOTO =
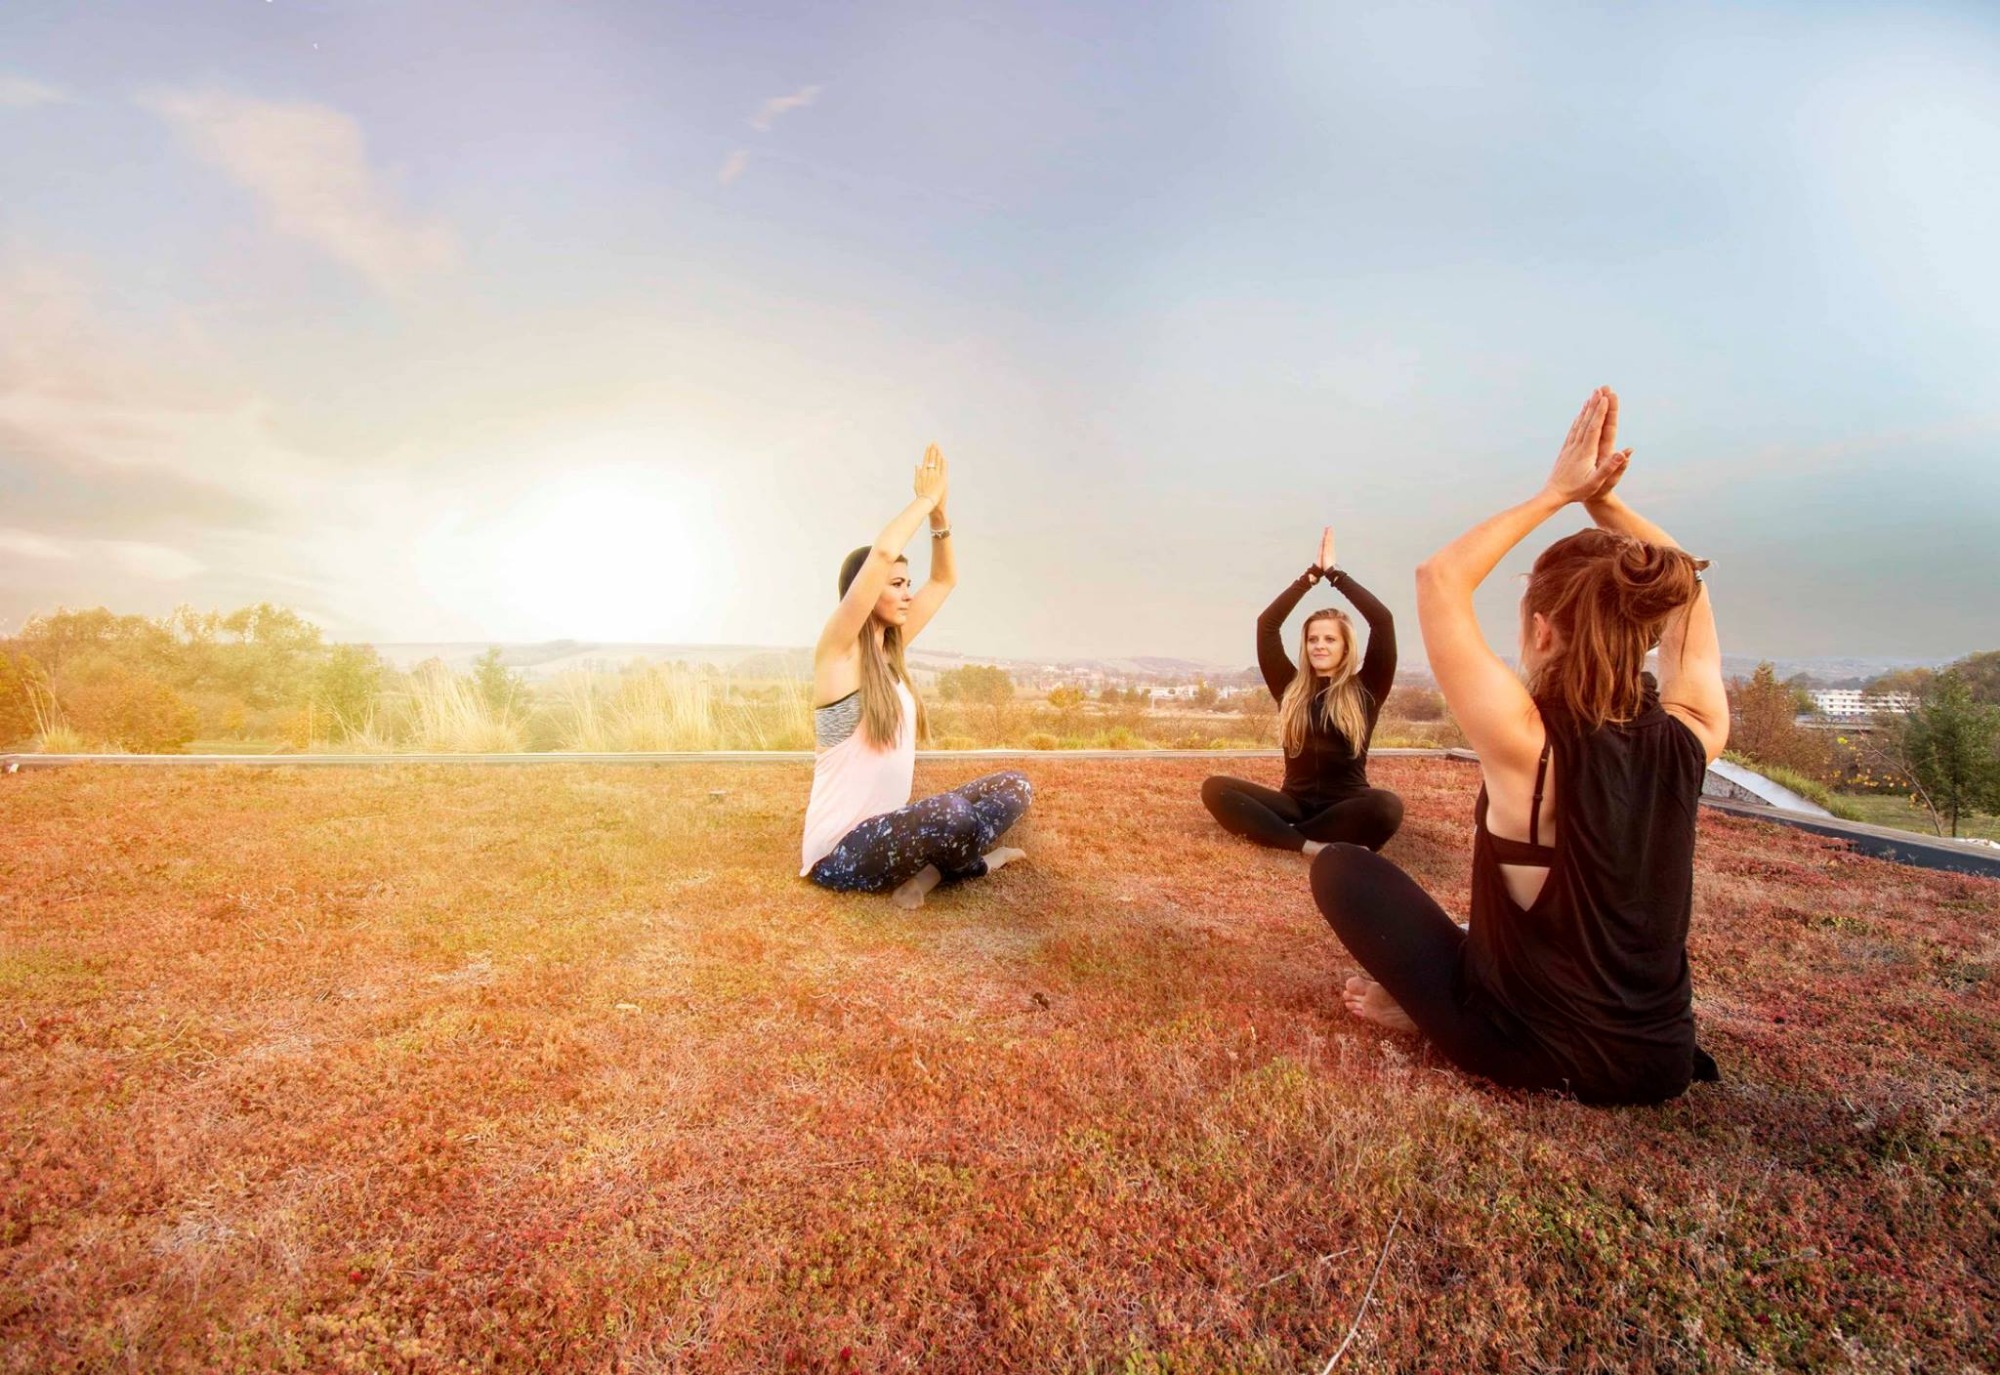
(1018, 785)
(1214, 791)
(1387, 816)
(954, 812)
(1341, 875)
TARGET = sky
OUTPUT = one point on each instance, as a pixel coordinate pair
(626, 321)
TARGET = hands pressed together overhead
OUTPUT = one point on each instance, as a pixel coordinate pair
(933, 478)
(1590, 464)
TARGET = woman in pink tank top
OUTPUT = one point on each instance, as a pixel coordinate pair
(862, 833)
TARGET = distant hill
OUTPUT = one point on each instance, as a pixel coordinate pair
(545, 660)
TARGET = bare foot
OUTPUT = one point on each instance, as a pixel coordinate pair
(1371, 1002)
(1005, 855)
(912, 894)
(1312, 848)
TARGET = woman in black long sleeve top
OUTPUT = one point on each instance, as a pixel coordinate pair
(1324, 723)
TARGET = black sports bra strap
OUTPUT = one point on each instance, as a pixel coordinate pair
(1541, 777)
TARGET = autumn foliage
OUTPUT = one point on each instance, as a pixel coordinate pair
(560, 1069)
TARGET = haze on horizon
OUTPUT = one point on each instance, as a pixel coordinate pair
(614, 321)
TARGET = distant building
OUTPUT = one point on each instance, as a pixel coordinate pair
(1851, 704)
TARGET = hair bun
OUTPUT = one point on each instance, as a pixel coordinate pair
(1652, 580)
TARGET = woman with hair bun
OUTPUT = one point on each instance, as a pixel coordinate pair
(1327, 706)
(1573, 974)
(862, 832)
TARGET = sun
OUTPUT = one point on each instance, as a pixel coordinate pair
(600, 550)
(613, 553)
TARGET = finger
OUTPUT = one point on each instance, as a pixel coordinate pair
(1593, 420)
(1609, 435)
(1576, 429)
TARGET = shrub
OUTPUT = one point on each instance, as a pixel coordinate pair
(1763, 726)
(17, 707)
(130, 710)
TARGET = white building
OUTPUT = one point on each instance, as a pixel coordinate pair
(1851, 704)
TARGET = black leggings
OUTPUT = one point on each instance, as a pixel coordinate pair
(1409, 946)
(951, 830)
(1272, 818)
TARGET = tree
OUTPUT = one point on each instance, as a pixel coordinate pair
(1763, 725)
(17, 704)
(132, 711)
(54, 640)
(1910, 680)
(1418, 704)
(500, 688)
(346, 685)
(1949, 746)
(1066, 698)
(1205, 696)
(979, 684)
(1981, 673)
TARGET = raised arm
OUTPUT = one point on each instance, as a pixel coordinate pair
(844, 625)
(1272, 661)
(1487, 699)
(943, 575)
(1378, 665)
(1691, 686)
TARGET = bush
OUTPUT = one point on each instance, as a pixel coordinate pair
(1042, 740)
(132, 711)
(978, 683)
(17, 707)
(1763, 727)
(1414, 704)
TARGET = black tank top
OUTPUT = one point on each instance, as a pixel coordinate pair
(1595, 969)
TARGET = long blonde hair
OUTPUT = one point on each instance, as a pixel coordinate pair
(1345, 708)
(882, 667)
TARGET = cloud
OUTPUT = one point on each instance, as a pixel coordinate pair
(24, 93)
(779, 106)
(155, 562)
(308, 165)
(733, 165)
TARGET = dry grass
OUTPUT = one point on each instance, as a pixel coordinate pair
(486, 1069)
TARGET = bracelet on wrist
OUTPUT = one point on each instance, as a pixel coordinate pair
(941, 532)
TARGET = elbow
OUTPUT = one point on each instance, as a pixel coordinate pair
(1436, 577)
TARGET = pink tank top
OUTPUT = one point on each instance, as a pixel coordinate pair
(852, 779)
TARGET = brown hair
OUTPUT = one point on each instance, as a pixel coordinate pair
(1345, 708)
(882, 667)
(1608, 598)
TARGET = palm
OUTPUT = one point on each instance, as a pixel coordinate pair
(1588, 468)
(932, 475)
(1326, 548)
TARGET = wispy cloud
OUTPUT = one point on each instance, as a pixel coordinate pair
(23, 93)
(155, 562)
(777, 107)
(112, 440)
(309, 166)
(733, 165)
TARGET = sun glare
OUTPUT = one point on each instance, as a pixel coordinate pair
(611, 552)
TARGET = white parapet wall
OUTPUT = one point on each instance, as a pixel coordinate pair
(1739, 784)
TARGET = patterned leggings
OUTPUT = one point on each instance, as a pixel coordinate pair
(951, 830)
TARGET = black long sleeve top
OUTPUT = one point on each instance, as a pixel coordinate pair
(1331, 767)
